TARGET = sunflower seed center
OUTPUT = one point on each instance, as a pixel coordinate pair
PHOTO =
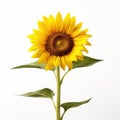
(59, 44)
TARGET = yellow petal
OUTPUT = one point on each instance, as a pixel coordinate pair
(37, 32)
(49, 64)
(58, 21)
(71, 25)
(80, 41)
(32, 36)
(68, 62)
(77, 27)
(80, 33)
(56, 61)
(82, 48)
(73, 21)
(36, 54)
(67, 18)
(66, 22)
(72, 56)
(83, 36)
(32, 48)
(41, 24)
(45, 19)
(51, 23)
(88, 43)
(77, 51)
(44, 57)
(76, 32)
(62, 63)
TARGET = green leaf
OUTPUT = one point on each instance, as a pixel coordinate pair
(69, 105)
(46, 93)
(31, 65)
(87, 61)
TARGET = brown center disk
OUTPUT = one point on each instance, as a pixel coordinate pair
(59, 44)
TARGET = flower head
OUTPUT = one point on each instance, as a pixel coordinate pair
(58, 41)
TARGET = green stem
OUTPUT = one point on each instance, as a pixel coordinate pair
(64, 76)
(53, 104)
(62, 115)
(58, 93)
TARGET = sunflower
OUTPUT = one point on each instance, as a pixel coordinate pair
(58, 41)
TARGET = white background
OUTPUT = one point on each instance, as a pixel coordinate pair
(100, 81)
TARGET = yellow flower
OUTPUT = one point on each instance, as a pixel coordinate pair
(58, 41)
